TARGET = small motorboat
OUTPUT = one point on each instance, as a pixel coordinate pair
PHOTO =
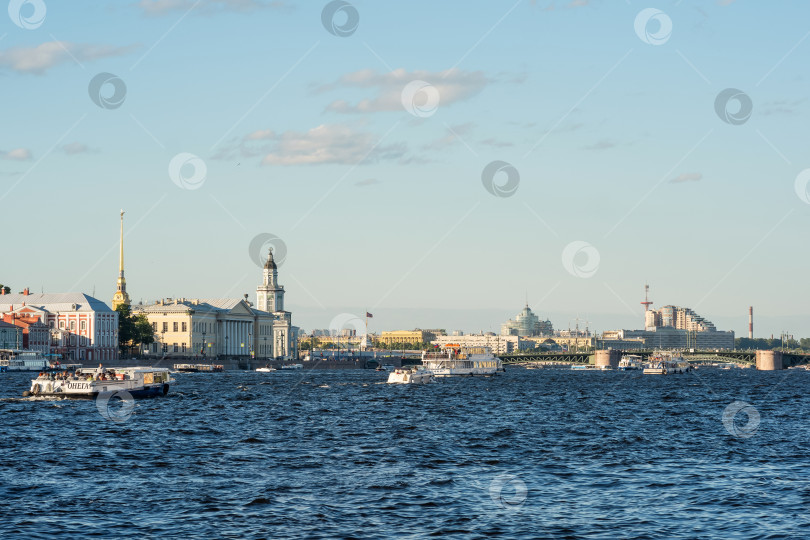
(293, 366)
(417, 375)
(266, 369)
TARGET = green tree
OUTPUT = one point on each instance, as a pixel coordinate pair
(144, 335)
(133, 330)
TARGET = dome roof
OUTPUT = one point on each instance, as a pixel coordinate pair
(270, 264)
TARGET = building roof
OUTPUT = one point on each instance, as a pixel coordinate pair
(200, 305)
(54, 302)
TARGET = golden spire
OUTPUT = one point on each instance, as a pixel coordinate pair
(121, 256)
(121, 296)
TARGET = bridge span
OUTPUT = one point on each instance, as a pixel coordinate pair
(697, 356)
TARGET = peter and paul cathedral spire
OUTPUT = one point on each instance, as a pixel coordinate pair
(121, 296)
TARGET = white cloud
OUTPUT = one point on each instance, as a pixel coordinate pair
(327, 143)
(687, 177)
(18, 154)
(496, 143)
(604, 144)
(75, 148)
(162, 7)
(453, 85)
(260, 135)
(43, 57)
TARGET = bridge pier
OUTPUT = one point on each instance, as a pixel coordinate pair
(608, 358)
(769, 360)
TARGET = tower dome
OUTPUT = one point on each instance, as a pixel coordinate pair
(270, 264)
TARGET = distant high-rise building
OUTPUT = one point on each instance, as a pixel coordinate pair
(677, 317)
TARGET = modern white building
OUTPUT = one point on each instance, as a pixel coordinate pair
(527, 324)
(498, 344)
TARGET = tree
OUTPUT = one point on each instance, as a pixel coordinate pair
(5, 289)
(133, 330)
(144, 334)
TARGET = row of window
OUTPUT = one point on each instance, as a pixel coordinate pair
(176, 327)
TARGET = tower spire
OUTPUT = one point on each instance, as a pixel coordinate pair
(121, 296)
(121, 255)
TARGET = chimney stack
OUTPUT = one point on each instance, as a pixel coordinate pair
(25, 291)
(751, 322)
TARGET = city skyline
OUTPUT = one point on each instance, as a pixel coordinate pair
(624, 169)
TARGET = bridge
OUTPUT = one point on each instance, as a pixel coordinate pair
(788, 359)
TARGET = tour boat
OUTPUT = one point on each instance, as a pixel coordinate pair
(195, 368)
(18, 360)
(417, 375)
(293, 366)
(666, 364)
(88, 383)
(630, 362)
(267, 369)
(455, 361)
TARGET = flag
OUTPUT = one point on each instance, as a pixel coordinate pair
(369, 315)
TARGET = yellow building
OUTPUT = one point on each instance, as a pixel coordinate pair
(216, 327)
(411, 337)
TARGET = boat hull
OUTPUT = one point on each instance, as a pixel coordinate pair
(80, 390)
(410, 377)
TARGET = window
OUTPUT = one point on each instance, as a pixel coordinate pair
(154, 347)
(62, 325)
(154, 327)
(183, 345)
(174, 327)
(165, 347)
(185, 328)
(72, 326)
(84, 325)
(165, 328)
(175, 345)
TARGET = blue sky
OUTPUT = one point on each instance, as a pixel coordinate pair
(303, 134)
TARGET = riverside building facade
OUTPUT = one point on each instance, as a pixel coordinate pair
(225, 327)
(81, 328)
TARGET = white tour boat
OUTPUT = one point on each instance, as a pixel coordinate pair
(19, 360)
(89, 382)
(455, 361)
(666, 364)
(267, 369)
(630, 362)
(416, 375)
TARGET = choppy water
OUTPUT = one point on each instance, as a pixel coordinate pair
(323, 454)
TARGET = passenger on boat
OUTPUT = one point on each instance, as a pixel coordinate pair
(101, 369)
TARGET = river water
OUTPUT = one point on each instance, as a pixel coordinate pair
(334, 454)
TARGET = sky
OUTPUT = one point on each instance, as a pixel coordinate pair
(437, 164)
